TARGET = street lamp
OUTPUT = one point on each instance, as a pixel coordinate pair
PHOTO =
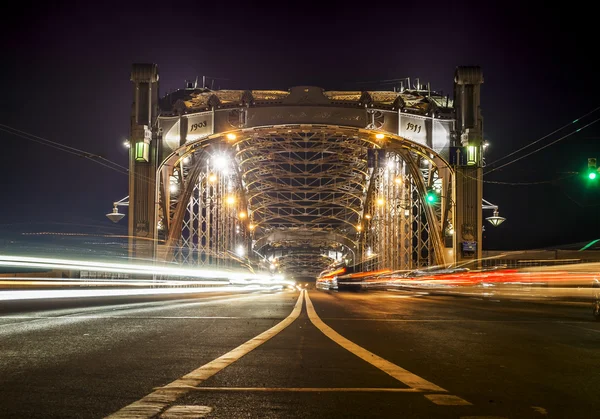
(115, 216)
(495, 219)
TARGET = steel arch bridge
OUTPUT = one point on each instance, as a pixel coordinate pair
(304, 179)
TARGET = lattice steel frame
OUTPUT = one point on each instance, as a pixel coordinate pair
(205, 210)
(303, 180)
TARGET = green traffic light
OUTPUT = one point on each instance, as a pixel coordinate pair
(431, 197)
(592, 175)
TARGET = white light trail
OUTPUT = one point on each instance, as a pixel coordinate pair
(52, 263)
(52, 294)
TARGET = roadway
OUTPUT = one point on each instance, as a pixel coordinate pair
(263, 355)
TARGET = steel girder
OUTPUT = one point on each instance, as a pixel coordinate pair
(294, 184)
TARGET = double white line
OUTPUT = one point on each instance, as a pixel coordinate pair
(157, 401)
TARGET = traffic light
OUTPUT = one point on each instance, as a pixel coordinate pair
(592, 172)
(431, 197)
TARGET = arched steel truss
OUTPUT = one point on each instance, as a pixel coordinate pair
(303, 197)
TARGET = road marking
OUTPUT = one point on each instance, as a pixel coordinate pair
(313, 389)
(399, 373)
(155, 402)
(186, 412)
(394, 370)
(447, 400)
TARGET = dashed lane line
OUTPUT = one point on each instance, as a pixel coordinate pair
(155, 402)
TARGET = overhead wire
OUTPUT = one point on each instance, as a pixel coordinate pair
(545, 136)
(543, 147)
(71, 150)
(56, 145)
(526, 183)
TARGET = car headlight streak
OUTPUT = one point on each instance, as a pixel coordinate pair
(52, 263)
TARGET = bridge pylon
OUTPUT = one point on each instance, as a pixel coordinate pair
(143, 163)
(468, 178)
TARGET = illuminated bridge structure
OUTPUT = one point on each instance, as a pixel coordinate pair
(303, 179)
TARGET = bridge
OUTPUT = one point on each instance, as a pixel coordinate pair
(301, 180)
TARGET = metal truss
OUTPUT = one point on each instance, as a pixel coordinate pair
(303, 197)
(304, 180)
(398, 231)
(207, 210)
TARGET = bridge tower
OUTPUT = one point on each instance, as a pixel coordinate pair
(143, 161)
(468, 179)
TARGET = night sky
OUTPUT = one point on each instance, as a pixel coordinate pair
(66, 79)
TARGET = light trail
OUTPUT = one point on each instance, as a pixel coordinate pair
(570, 282)
(201, 280)
(41, 281)
(52, 263)
(56, 294)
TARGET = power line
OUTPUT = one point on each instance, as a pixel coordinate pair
(59, 146)
(546, 136)
(71, 150)
(545, 146)
(527, 183)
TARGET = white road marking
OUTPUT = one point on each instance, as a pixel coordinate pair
(447, 400)
(186, 412)
(313, 389)
(394, 370)
(155, 402)
(399, 373)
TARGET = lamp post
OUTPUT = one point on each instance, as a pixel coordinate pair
(115, 216)
(495, 219)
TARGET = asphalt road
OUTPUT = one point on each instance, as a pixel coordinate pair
(358, 355)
